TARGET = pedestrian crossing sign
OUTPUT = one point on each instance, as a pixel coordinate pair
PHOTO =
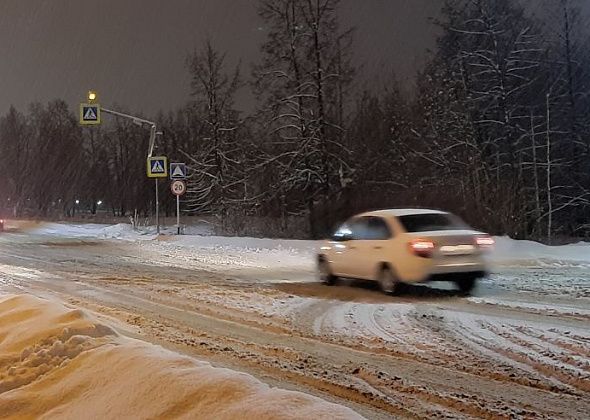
(89, 114)
(157, 167)
(178, 171)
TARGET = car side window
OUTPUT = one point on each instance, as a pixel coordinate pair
(377, 229)
(364, 229)
(359, 229)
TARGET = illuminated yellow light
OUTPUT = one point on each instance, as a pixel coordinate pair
(92, 96)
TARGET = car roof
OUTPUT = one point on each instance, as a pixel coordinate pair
(400, 212)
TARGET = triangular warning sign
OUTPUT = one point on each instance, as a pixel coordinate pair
(178, 172)
(90, 114)
(157, 167)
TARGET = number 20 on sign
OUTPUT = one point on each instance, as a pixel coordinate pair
(178, 188)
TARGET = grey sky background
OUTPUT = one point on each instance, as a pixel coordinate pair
(133, 51)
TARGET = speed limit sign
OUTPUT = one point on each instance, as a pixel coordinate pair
(178, 188)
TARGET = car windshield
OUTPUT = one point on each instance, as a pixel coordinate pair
(431, 222)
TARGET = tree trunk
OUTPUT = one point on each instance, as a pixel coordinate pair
(548, 163)
(535, 177)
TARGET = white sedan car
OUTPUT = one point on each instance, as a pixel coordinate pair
(400, 246)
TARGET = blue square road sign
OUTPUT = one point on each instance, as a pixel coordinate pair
(178, 171)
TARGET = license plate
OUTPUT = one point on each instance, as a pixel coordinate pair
(457, 249)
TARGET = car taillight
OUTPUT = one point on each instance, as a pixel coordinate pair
(422, 248)
(485, 242)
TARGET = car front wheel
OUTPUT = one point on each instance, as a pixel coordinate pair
(325, 273)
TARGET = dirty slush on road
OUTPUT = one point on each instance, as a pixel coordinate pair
(429, 354)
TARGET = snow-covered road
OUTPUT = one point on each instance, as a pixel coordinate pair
(520, 347)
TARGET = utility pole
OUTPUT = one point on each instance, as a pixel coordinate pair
(90, 115)
(157, 208)
(153, 134)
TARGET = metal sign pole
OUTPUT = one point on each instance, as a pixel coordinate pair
(178, 188)
(178, 213)
(94, 110)
(157, 209)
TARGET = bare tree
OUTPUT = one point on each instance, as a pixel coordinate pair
(217, 175)
(302, 83)
(59, 160)
(16, 164)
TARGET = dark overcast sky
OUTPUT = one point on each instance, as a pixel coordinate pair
(133, 51)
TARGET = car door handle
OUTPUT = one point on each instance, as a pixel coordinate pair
(377, 247)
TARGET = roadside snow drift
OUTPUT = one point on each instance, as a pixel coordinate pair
(247, 252)
(509, 251)
(121, 231)
(57, 362)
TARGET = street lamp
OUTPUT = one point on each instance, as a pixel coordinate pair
(92, 98)
(92, 95)
(76, 204)
(99, 202)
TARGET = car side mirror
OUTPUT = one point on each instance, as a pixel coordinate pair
(342, 237)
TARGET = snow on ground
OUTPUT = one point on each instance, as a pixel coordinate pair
(196, 247)
(508, 252)
(68, 230)
(60, 363)
(520, 266)
(538, 307)
(215, 251)
(519, 325)
(511, 252)
(537, 350)
(91, 231)
(517, 266)
(543, 282)
(123, 231)
(267, 305)
(367, 321)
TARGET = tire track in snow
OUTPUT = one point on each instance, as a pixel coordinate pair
(546, 349)
(493, 340)
(542, 360)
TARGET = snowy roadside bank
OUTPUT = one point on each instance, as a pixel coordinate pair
(196, 249)
(59, 362)
(90, 231)
(507, 252)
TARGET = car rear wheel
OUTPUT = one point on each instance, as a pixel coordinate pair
(466, 285)
(325, 273)
(389, 282)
